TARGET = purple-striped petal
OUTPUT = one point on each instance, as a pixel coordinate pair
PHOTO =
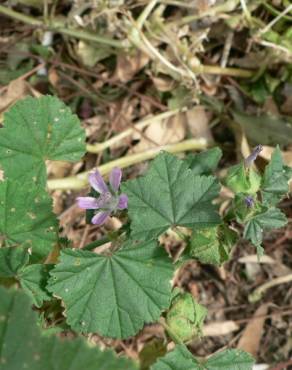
(253, 156)
(100, 218)
(97, 182)
(87, 203)
(115, 178)
(123, 201)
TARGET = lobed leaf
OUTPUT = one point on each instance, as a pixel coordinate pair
(34, 131)
(204, 163)
(114, 294)
(230, 359)
(26, 217)
(33, 280)
(178, 359)
(12, 260)
(271, 218)
(170, 194)
(275, 179)
(22, 345)
(182, 359)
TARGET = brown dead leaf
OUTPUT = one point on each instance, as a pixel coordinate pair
(168, 131)
(251, 337)
(129, 65)
(197, 121)
(17, 89)
(215, 329)
(267, 151)
(286, 107)
(164, 83)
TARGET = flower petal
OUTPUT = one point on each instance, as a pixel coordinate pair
(253, 156)
(100, 218)
(97, 182)
(115, 178)
(87, 203)
(123, 201)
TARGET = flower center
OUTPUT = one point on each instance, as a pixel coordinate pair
(108, 201)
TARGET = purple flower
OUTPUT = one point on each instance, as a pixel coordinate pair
(253, 156)
(108, 201)
(249, 201)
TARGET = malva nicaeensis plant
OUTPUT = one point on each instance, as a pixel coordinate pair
(115, 292)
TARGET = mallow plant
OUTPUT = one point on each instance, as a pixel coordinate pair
(48, 287)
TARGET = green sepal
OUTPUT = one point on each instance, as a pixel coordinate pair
(243, 180)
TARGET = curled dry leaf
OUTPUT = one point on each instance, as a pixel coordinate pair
(215, 329)
(197, 121)
(168, 131)
(251, 337)
(267, 151)
(17, 89)
(129, 65)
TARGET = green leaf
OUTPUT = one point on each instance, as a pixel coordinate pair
(33, 280)
(36, 130)
(185, 317)
(265, 129)
(204, 163)
(212, 245)
(275, 179)
(170, 194)
(113, 294)
(230, 359)
(22, 345)
(12, 260)
(26, 217)
(271, 218)
(178, 359)
(182, 359)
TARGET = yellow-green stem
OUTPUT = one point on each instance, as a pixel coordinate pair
(80, 181)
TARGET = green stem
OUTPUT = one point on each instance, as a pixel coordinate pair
(275, 12)
(57, 27)
(80, 181)
(97, 243)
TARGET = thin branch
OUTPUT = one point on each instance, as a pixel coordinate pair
(99, 147)
(80, 181)
(258, 293)
(57, 27)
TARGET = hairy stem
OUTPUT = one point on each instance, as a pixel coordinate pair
(96, 243)
(80, 181)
